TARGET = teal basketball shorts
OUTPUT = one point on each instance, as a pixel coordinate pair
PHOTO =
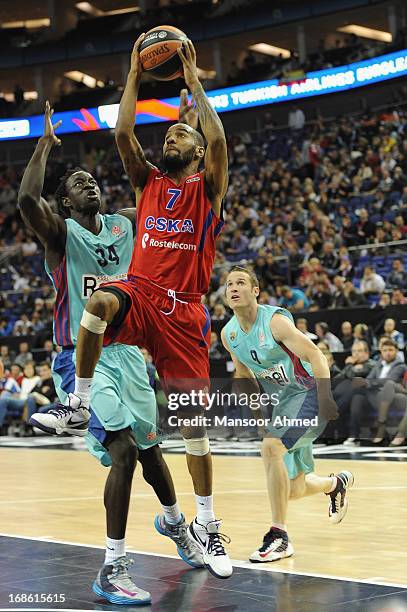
(121, 396)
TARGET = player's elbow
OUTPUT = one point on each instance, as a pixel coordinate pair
(26, 201)
(122, 137)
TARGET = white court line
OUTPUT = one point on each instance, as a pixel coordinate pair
(235, 562)
(180, 494)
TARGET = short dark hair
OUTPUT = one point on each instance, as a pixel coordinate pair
(253, 278)
(388, 342)
(17, 365)
(62, 193)
(199, 139)
(364, 343)
(44, 363)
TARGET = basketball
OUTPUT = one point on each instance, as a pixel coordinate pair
(158, 52)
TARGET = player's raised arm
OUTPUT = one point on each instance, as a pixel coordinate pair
(285, 332)
(131, 153)
(35, 210)
(216, 159)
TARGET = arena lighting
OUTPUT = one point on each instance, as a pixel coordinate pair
(28, 95)
(250, 95)
(90, 9)
(366, 32)
(87, 7)
(29, 23)
(81, 77)
(267, 49)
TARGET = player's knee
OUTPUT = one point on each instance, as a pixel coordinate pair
(103, 305)
(152, 462)
(197, 446)
(272, 448)
(123, 451)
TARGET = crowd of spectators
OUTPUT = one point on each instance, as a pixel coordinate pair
(319, 213)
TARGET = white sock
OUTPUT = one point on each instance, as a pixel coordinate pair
(82, 389)
(172, 513)
(281, 526)
(334, 483)
(204, 509)
(114, 549)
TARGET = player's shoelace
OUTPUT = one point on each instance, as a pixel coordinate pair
(215, 545)
(120, 570)
(180, 533)
(63, 411)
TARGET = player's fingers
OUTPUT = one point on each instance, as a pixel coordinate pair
(139, 41)
(47, 107)
(192, 49)
(181, 55)
(184, 97)
(57, 124)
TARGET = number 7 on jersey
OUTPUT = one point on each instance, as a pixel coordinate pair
(175, 194)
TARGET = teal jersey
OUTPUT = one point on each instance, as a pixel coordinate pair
(89, 260)
(276, 367)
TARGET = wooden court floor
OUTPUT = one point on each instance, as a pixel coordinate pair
(57, 495)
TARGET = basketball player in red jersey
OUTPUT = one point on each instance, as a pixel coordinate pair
(159, 305)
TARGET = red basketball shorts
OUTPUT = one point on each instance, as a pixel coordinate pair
(175, 330)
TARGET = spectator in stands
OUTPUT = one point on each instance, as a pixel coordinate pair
(17, 373)
(8, 385)
(238, 246)
(347, 338)
(329, 259)
(6, 357)
(398, 298)
(365, 228)
(6, 327)
(44, 391)
(24, 356)
(29, 247)
(268, 271)
(361, 332)
(372, 283)
(293, 299)
(302, 325)
(351, 296)
(373, 390)
(333, 368)
(50, 352)
(321, 296)
(23, 327)
(216, 348)
(359, 364)
(323, 333)
(296, 119)
(391, 332)
(384, 300)
(397, 278)
(14, 405)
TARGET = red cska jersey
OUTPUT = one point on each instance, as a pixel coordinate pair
(176, 234)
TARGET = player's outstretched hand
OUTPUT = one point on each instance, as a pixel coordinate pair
(49, 128)
(187, 55)
(187, 112)
(135, 65)
(328, 410)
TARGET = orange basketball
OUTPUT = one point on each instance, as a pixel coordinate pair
(158, 52)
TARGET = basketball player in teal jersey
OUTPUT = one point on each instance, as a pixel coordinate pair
(266, 346)
(82, 249)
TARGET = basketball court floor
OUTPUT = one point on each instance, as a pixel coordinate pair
(52, 533)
